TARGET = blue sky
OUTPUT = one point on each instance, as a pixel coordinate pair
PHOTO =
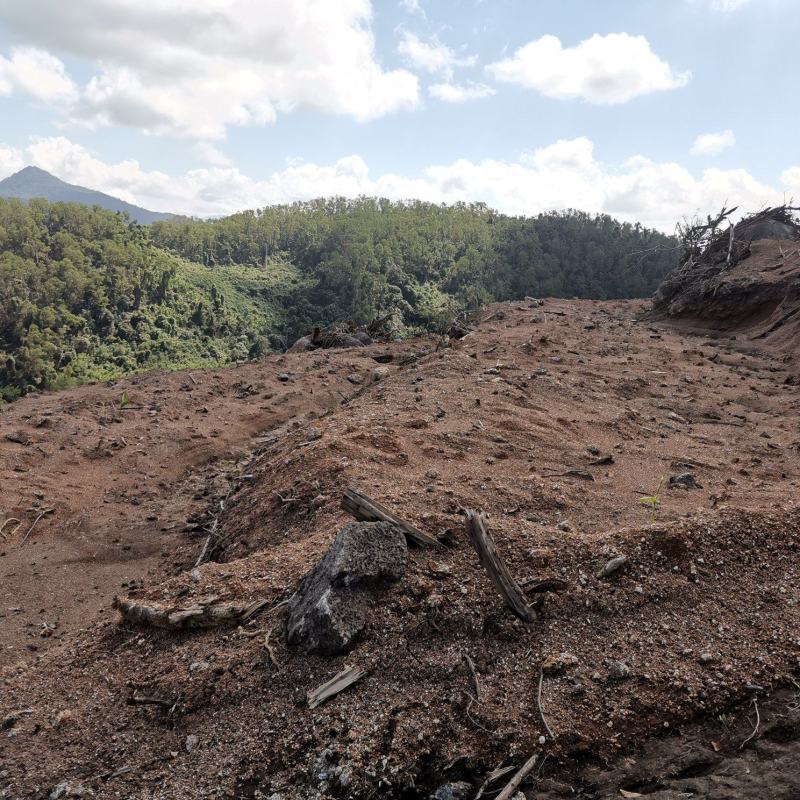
(645, 109)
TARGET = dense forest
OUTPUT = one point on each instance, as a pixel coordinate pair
(88, 294)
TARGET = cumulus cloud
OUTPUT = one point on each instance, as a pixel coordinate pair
(11, 160)
(602, 70)
(37, 73)
(431, 56)
(189, 68)
(565, 174)
(460, 92)
(712, 144)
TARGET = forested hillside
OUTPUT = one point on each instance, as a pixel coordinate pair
(370, 256)
(85, 293)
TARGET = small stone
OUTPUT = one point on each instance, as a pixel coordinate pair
(459, 790)
(283, 377)
(540, 556)
(379, 373)
(612, 566)
(65, 789)
(564, 526)
(355, 379)
(684, 481)
(199, 666)
(706, 658)
(556, 664)
(619, 670)
(191, 742)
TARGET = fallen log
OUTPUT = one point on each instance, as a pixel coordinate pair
(338, 683)
(365, 509)
(206, 614)
(499, 573)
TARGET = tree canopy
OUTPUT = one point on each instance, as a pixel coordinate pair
(86, 293)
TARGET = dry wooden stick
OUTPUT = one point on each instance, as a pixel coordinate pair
(512, 786)
(167, 705)
(539, 704)
(368, 510)
(338, 683)
(493, 776)
(28, 533)
(499, 573)
(471, 665)
(201, 615)
(270, 649)
(10, 519)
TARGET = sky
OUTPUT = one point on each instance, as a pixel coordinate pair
(648, 110)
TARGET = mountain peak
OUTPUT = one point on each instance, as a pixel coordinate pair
(33, 181)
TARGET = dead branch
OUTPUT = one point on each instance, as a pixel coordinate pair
(29, 531)
(512, 786)
(201, 615)
(166, 705)
(366, 509)
(338, 683)
(471, 666)
(493, 776)
(270, 649)
(571, 473)
(499, 574)
(539, 704)
(10, 519)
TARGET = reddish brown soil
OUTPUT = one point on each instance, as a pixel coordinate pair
(123, 479)
(706, 608)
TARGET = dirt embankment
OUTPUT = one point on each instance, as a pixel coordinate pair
(755, 303)
(553, 419)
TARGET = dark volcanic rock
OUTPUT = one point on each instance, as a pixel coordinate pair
(329, 609)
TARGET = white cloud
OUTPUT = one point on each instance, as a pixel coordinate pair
(603, 70)
(431, 56)
(712, 144)
(726, 5)
(194, 68)
(565, 174)
(11, 160)
(36, 73)
(460, 92)
(211, 155)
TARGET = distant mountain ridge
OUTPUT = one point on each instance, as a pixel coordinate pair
(33, 182)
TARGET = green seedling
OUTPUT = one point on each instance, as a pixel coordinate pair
(653, 500)
(124, 400)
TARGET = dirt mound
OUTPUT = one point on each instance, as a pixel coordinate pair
(744, 282)
(555, 420)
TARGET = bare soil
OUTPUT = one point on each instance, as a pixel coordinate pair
(553, 419)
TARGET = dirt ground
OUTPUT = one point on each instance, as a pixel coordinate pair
(555, 420)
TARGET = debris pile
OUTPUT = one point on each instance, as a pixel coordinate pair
(342, 336)
(740, 279)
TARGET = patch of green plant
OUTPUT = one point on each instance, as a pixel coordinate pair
(653, 500)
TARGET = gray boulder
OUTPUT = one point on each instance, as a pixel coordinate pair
(329, 609)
